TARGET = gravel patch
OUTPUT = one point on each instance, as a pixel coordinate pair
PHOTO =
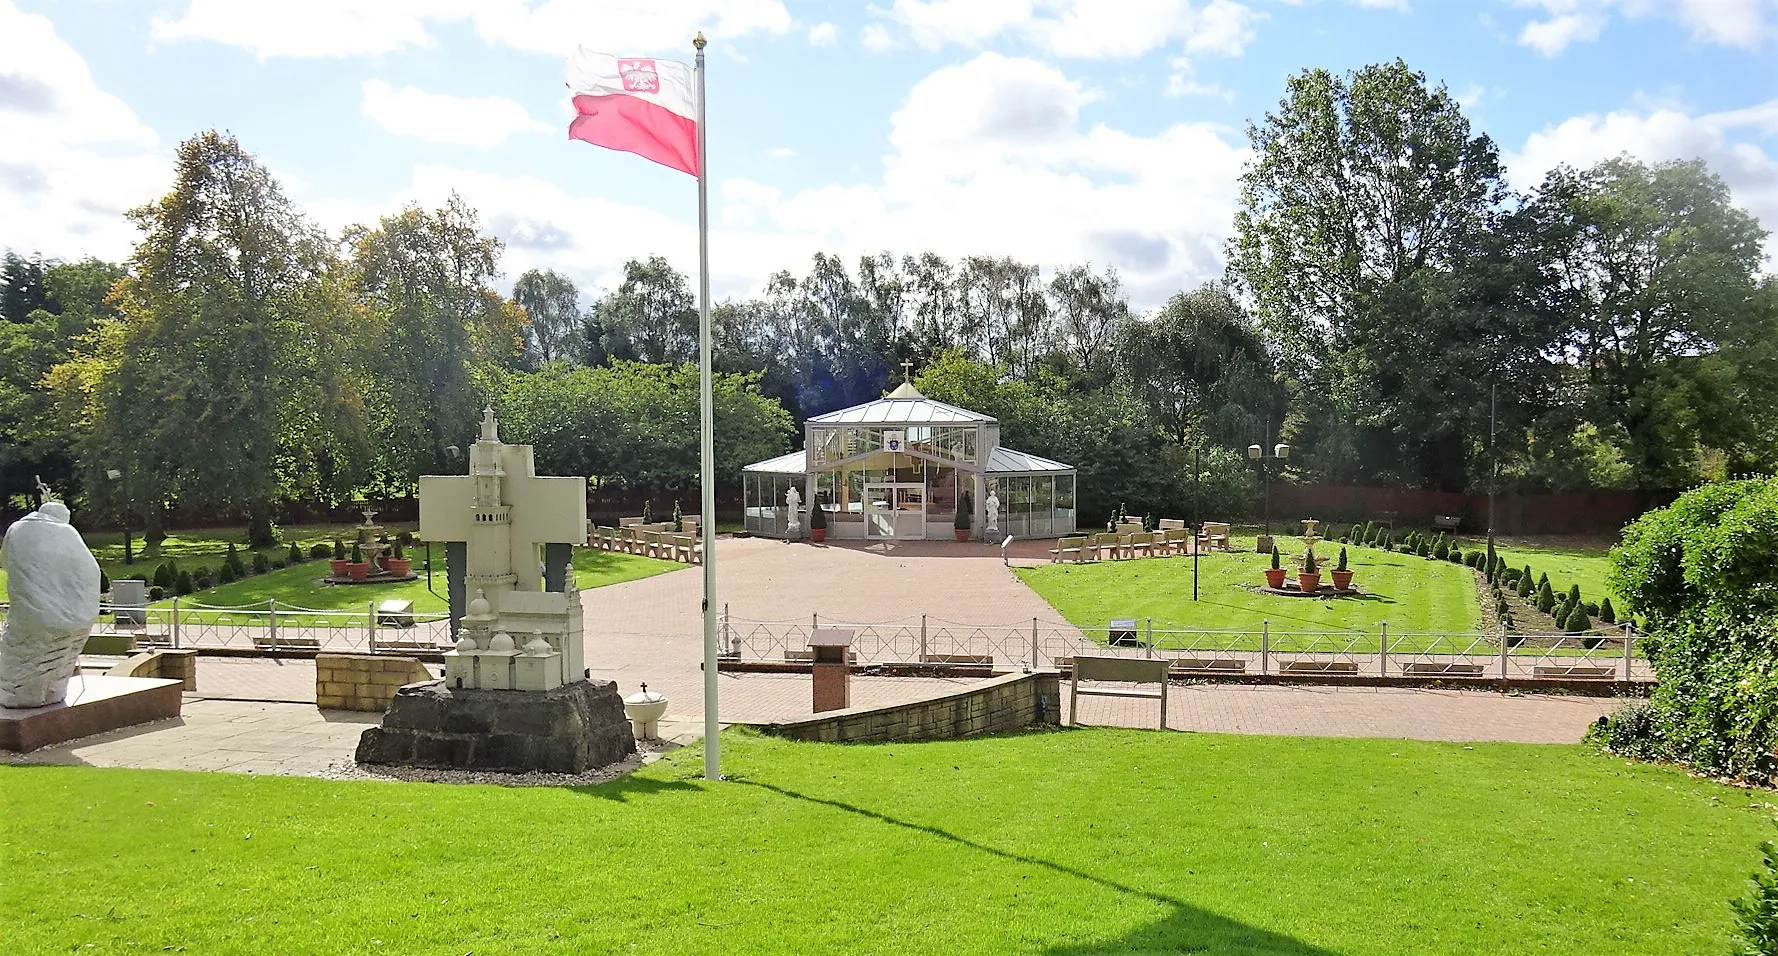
(647, 752)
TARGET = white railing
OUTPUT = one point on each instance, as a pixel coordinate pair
(271, 625)
(1606, 654)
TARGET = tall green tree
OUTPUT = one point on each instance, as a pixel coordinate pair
(426, 279)
(554, 321)
(1366, 191)
(653, 316)
(1655, 272)
(1200, 366)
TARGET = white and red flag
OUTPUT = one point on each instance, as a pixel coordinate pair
(636, 104)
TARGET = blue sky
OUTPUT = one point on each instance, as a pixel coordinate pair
(1056, 131)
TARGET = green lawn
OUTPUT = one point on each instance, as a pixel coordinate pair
(1412, 594)
(1566, 564)
(1079, 842)
(301, 586)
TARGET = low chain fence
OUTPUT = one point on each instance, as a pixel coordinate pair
(1605, 654)
(273, 625)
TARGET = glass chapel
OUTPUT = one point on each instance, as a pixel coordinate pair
(894, 468)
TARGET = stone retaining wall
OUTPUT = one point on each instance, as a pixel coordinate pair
(181, 666)
(997, 705)
(363, 681)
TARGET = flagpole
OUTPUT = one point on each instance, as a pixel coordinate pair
(706, 446)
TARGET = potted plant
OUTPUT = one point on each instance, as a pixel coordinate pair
(817, 521)
(1275, 573)
(1342, 575)
(338, 563)
(396, 563)
(965, 516)
(1309, 579)
(357, 569)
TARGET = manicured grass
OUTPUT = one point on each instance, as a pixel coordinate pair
(1565, 563)
(1412, 594)
(301, 586)
(1078, 842)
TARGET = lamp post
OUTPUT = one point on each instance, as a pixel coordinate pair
(1280, 451)
(129, 556)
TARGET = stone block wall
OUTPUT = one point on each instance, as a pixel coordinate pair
(363, 681)
(181, 666)
(997, 705)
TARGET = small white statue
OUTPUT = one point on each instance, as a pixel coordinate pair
(793, 500)
(993, 506)
(54, 585)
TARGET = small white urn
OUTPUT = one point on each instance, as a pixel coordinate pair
(645, 708)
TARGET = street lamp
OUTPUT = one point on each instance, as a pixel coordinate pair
(1280, 451)
(114, 474)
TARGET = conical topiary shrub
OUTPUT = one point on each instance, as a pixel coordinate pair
(1607, 613)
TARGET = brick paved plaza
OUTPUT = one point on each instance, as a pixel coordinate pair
(258, 715)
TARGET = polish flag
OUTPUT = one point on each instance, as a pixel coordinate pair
(635, 104)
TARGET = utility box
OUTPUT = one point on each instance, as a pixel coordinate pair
(129, 602)
(831, 652)
(1123, 632)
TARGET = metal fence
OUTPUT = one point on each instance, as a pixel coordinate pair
(1605, 654)
(271, 625)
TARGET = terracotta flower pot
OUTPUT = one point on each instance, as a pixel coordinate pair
(962, 534)
(817, 535)
(1342, 580)
(1275, 578)
(358, 570)
(1310, 583)
(337, 567)
(398, 566)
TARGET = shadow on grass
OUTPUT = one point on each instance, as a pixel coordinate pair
(1187, 930)
(629, 786)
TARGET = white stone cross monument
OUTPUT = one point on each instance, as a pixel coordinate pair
(515, 635)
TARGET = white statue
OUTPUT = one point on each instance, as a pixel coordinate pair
(54, 583)
(993, 506)
(793, 500)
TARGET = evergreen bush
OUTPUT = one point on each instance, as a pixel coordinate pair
(157, 593)
(225, 574)
(182, 585)
(1573, 595)
(1607, 613)
(104, 582)
(817, 515)
(1275, 558)
(339, 550)
(261, 563)
(1577, 620)
(357, 553)
(1342, 565)
(295, 556)
(1546, 598)
(1493, 562)
(163, 576)
(1441, 551)
(1756, 917)
(319, 551)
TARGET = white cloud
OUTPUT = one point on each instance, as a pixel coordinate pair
(78, 156)
(1738, 23)
(321, 28)
(1183, 81)
(1082, 29)
(876, 38)
(824, 34)
(781, 152)
(1720, 139)
(484, 122)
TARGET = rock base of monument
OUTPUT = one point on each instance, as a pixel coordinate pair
(571, 729)
(94, 705)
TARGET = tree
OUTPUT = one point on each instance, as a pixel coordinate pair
(1089, 311)
(1368, 194)
(226, 350)
(552, 305)
(426, 281)
(652, 317)
(1655, 272)
(22, 290)
(1201, 367)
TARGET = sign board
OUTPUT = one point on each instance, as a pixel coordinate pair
(895, 441)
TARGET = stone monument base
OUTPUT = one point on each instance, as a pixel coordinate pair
(571, 729)
(94, 705)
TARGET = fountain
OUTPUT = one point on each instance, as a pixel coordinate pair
(1308, 576)
(379, 564)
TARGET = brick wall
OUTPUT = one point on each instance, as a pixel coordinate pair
(363, 681)
(997, 705)
(166, 665)
(1581, 512)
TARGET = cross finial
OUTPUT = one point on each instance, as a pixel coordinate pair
(907, 372)
(490, 427)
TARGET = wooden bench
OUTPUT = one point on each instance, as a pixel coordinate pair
(1141, 544)
(1446, 522)
(1319, 667)
(1122, 670)
(1066, 547)
(1175, 541)
(1214, 536)
(1434, 669)
(1106, 544)
(1587, 671)
(1210, 665)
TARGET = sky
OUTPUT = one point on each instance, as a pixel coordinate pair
(1055, 131)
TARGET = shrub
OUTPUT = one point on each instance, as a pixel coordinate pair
(339, 550)
(104, 582)
(357, 553)
(1577, 620)
(405, 539)
(261, 563)
(817, 515)
(224, 574)
(1543, 580)
(1309, 566)
(295, 556)
(1607, 614)
(232, 561)
(1473, 560)
(157, 593)
(1546, 598)
(1425, 550)
(1630, 731)
(182, 585)
(1526, 584)
(1455, 556)
(1275, 564)
(965, 516)
(319, 551)
(1756, 917)
(1500, 605)
(1574, 595)
(1493, 561)
(1342, 565)
(280, 564)
(1441, 551)
(163, 576)
(203, 578)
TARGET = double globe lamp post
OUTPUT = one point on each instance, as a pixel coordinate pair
(1280, 452)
